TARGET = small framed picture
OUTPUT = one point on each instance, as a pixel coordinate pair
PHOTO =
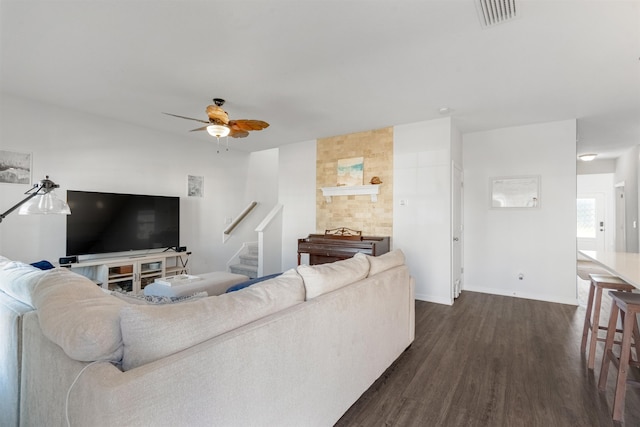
(15, 168)
(515, 192)
(195, 186)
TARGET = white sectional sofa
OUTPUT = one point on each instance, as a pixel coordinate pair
(295, 350)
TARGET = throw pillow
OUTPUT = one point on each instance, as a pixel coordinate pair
(155, 299)
(385, 261)
(43, 265)
(75, 314)
(251, 282)
(323, 278)
(4, 261)
(18, 280)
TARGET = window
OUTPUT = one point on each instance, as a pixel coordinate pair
(586, 209)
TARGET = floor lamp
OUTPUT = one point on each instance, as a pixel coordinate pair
(46, 203)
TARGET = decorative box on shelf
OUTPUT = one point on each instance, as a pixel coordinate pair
(177, 280)
(351, 190)
(122, 269)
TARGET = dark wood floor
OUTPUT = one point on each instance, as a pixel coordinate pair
(492, 361)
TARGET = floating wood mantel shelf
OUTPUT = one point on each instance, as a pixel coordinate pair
(352, 190)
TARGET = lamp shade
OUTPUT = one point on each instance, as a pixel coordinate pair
(43, 204)
(218, 131)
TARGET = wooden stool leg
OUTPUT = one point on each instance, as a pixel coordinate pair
(621, 384)
(622, 314)
(587, 318)
(636, 340)
(595, 327)
(608, 347)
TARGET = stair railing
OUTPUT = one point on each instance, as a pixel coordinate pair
(227, 231)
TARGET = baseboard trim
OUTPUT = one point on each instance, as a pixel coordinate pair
(435, 299)
(525, 295)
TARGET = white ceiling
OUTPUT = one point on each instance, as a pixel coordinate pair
(324, 68)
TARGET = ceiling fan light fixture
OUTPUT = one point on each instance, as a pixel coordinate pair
(587, 157)
(218, 131)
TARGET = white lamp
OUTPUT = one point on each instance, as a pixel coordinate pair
(41, 201)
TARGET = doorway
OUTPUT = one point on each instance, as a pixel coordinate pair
(590, 208)
(457, 197)
(596, 212)
(621, 218)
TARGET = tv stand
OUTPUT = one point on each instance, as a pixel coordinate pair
(132, 273)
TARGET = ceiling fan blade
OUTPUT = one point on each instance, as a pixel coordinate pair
(188, 118)
(247, 125)
(217, 115)
(202, 128)
(235, 133)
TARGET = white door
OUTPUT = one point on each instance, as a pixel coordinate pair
(621, 218)
(591, 227)
(456, 232)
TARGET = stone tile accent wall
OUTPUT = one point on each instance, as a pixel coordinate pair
(356, 212)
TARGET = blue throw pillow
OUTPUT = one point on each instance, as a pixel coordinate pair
(248, 283)
(43, 265)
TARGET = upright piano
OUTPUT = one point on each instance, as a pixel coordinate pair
(330, 247)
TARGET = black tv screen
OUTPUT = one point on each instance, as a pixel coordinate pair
(112, 222)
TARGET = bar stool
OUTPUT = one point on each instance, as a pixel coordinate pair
(628, 305)
(598, 283)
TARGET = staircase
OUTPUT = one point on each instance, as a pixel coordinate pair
(248, 262)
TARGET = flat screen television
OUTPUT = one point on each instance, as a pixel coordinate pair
(112, 222)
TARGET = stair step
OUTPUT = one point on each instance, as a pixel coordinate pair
(247, 270)
(252, 249)
(249, 259)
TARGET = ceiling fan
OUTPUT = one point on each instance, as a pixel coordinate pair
(219, 124)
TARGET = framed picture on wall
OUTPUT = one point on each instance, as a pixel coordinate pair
(515, 192)
(351, 171)
(195, 186)
(15, 167)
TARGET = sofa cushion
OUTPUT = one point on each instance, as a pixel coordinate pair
(152, 332)
(385, 261)
(323, 278)
(78, 316)
(18, 279)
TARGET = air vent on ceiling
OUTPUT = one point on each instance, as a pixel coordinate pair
(493, 12)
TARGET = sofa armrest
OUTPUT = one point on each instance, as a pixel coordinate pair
(11, 313)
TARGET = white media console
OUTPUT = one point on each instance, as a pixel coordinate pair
(133, 273)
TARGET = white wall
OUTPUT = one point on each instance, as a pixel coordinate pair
(596, 166)
(539, 243)
(261, 185)
(297, 195)
(85, 152)
(422, 204)
(627, 172)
